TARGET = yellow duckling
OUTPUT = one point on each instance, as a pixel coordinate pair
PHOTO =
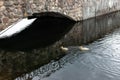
(64, 48)
(83, 48)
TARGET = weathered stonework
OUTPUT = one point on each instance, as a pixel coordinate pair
(12, 10)
(71, 8)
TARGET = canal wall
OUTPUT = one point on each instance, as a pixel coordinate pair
(12, 10)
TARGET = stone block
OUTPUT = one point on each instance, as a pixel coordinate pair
(1, 3)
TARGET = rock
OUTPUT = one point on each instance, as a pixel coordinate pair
(1, 3)
(5, 20)
(2, 8)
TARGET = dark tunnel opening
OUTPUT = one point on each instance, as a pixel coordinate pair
(44, 31)
(50, 14)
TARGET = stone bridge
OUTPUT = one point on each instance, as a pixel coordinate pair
(12, 10)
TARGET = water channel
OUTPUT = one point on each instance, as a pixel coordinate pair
(102, 62)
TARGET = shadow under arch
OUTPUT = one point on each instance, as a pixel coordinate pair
(51, 14)
(42, 32)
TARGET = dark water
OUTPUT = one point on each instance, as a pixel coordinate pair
(101, 62)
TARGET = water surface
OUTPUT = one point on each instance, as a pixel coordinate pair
(101, 62)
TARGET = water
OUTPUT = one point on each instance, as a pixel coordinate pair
(101, 62)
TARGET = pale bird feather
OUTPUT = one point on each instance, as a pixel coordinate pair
(83, 48)
(64, 48)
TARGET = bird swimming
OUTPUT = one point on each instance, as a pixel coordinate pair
(64, 48)
(81, 48)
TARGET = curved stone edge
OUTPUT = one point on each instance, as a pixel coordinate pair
(76, 9)
(65, 7)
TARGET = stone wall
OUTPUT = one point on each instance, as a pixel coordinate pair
(93, 8)
(12, 10)
(76, 9)
(71, 8)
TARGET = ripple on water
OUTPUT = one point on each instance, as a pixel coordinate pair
(106, 54)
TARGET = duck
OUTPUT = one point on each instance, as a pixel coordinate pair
(83, 48)
(64, 48)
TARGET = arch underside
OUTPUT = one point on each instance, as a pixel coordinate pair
(50, 14)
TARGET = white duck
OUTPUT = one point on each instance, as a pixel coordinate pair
(83, 48)
(64, 48)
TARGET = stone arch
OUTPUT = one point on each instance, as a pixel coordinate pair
(50, 14)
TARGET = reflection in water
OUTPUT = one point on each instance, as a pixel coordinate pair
(95, 64)
(90, 30)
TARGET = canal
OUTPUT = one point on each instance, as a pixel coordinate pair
(102, 62)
